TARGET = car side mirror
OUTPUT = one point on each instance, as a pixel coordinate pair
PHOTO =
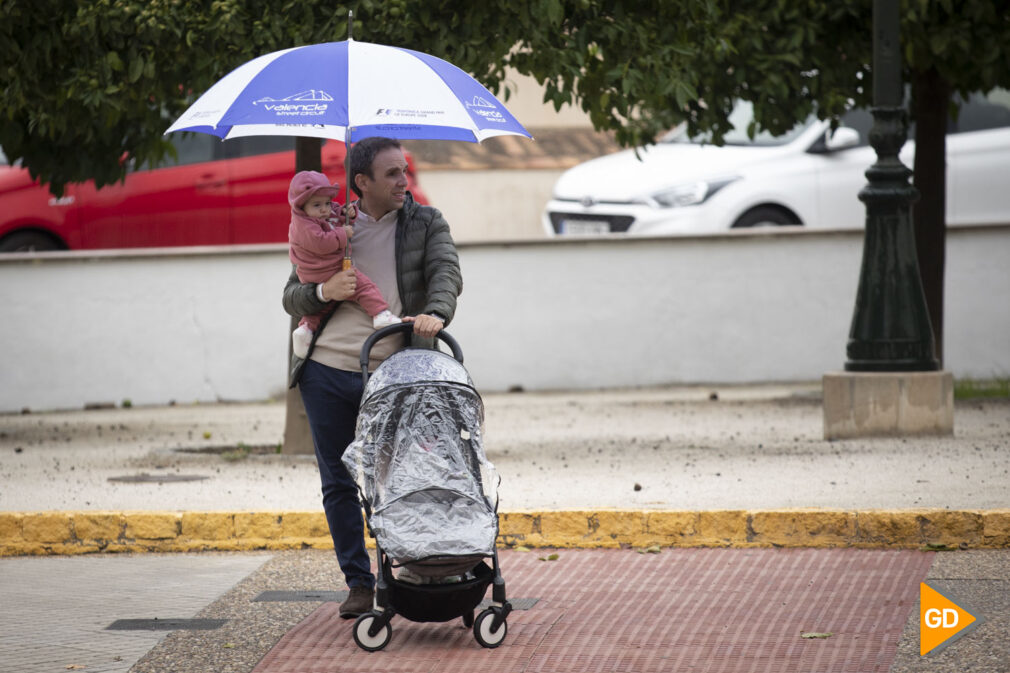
(843, 138)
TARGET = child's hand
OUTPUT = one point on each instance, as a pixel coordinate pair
(349, 230)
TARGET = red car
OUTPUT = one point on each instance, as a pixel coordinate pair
(216, 193)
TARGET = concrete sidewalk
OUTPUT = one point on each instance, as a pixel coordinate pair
(667, 466)
(599, 477)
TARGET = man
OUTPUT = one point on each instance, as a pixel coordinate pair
(408, 252)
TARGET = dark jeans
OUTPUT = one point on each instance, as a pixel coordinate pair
(331, 398)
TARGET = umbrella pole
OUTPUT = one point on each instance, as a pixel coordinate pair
(347, 264)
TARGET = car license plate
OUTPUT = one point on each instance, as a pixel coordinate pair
(585, 227)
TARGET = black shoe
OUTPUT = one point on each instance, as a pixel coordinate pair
(359, 601)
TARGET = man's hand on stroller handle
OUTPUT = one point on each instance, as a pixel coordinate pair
(425, 325)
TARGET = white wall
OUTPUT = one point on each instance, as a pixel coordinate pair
(207, 324)
(526, 103)
(512, 201)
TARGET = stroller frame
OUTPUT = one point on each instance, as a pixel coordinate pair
(429, 602)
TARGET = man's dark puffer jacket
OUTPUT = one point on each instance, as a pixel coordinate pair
(427, 275)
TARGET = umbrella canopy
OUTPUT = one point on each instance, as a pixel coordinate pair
(348, 91)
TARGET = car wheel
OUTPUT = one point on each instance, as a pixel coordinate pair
(29, 241)
(764, 216)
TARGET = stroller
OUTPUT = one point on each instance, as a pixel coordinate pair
(429, 494)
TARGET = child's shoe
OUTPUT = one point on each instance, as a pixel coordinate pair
(301, 339)
(385, 319)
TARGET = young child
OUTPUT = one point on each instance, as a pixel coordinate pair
(317, 248)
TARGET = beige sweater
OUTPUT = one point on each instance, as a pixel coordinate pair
(373, 251)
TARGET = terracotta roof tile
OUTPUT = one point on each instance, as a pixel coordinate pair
(553, 148)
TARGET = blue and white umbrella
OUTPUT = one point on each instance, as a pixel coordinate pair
(348, 91)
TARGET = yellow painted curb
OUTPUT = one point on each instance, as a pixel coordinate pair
(44, 533)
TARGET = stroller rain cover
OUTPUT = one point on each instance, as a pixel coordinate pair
(418, 458)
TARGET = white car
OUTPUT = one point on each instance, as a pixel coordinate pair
(808, 176)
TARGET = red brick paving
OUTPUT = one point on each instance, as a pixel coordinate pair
(705, 610)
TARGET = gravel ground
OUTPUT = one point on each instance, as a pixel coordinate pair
(664, 448)
(253, 627)
(979, 581)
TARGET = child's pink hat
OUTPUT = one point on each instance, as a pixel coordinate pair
(307, 184)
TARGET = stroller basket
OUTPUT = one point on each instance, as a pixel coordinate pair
(440, 602)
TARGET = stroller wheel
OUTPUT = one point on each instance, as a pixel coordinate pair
(468, 619)
(483, 633)
(367, 642)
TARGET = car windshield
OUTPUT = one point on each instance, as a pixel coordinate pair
(740, 117)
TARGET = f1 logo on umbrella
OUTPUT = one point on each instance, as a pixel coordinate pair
(941, 620)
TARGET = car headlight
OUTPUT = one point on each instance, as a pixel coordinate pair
(689, 193)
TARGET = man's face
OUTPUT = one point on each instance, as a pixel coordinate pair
(318, 206)
(387, 190)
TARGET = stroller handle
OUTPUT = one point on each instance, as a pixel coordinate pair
(405, 327)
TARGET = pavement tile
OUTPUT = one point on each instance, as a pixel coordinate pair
(683, 609)
(56, 609)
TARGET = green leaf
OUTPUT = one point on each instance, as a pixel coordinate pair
(116, 63)
(938, 43)
(136, 69)
(684, 93)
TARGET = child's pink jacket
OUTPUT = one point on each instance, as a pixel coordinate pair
(317, 251)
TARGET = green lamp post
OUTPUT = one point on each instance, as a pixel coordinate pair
(890, 326)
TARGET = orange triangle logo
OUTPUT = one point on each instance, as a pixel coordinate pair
(940, 619)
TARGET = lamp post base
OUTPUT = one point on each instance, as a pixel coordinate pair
(888, 404)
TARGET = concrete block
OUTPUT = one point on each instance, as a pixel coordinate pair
(304, 525)
(93, 526)
(887, 404)
(263, 525)
(152, 525)
(208, 525)
(618, 527)
(952, 528)
(886, 528)
(996, 528)
(721, 528)
(567, 528)
(46, 527)
(672, 527)
(802, 528)
(519, 528)
(10, 527)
